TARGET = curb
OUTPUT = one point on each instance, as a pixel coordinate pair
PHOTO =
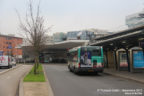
(125, 77)
(50, 92)
(21, 89)
(9, 69)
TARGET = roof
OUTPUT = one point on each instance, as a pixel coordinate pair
(129, 37)
(68, 44)
(121, 33)
(1, 35)
(74, 49)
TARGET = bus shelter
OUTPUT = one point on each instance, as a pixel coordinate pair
(125, 59)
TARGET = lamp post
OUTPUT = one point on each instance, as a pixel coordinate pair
(9, 58)
(18, 47)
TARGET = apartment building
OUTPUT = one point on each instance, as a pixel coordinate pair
(10, 45)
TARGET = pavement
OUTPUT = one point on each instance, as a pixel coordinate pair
(2, 70)
(37, 88)
(9, 80)
(138, 77)
(65, 83)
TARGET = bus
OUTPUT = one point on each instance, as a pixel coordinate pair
(86, 59)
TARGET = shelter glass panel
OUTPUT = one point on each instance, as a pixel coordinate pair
(123, 59)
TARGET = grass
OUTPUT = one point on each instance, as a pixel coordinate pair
(31, 77)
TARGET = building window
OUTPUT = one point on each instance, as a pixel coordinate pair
(8, 38)
(8, 43)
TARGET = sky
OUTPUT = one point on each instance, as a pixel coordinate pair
(70, 15)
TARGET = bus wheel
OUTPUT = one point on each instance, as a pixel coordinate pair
(76, 72)
(70, 70)
(95, 73)
(10, 66)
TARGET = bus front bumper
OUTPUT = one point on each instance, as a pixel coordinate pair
(89, 69)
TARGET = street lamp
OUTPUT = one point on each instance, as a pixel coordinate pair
(17, 47)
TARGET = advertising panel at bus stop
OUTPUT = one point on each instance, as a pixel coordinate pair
(138, 59)
(123, 59)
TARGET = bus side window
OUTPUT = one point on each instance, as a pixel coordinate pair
(75, 58)
(70, 57)
(96, 52)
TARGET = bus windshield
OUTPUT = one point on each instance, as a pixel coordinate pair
(92, 51)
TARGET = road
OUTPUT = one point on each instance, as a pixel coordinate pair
(65, 83)
(3, 69)
(9, 81)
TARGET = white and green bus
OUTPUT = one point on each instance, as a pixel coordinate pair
(86, 59)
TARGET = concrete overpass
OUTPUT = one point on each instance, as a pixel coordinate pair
(66, 44)
(54, 50)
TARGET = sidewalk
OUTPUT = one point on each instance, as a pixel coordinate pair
(139, 77)
(37, 88)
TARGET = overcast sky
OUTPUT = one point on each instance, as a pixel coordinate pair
(68, 15)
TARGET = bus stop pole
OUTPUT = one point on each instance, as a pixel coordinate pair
(107, 59)
(115, 59)
(127, 54)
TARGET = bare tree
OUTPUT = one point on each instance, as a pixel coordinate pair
(34, 30)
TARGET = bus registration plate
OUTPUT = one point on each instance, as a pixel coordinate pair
(90, 70)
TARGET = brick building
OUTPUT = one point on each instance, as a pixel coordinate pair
(9, 45)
